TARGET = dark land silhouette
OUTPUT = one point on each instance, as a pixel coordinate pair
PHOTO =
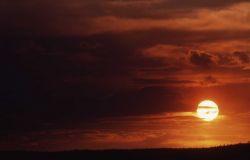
(229, 152)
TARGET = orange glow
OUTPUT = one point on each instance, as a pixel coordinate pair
(207, 110)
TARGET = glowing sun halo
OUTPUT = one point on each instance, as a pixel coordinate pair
(207, 110)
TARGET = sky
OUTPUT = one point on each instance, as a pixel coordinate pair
(111, 74)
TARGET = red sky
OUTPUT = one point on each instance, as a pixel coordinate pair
(92, 74)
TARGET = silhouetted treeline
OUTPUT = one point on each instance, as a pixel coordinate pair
(231, 152)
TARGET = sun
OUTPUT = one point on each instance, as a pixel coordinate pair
(207, 110)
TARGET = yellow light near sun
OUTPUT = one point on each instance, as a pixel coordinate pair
(207, 110)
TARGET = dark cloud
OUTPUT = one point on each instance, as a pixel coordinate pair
(148, 81)
(242, 56)
(201, 59)
(209, 80)
(75, 17)
(94, 8)
(201, 4)
(226, 59)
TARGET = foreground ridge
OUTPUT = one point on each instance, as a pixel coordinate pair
(227, 152)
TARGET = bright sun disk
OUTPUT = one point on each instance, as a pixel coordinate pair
(207, 110)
